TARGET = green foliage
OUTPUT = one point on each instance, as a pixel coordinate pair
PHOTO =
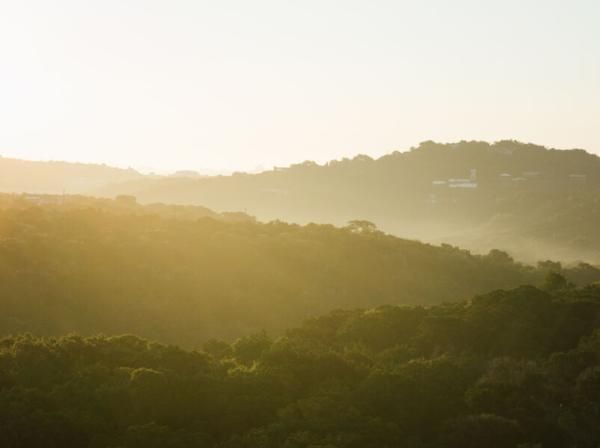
(180, 276)
(250, 348)
(555, 282)
(481, 373)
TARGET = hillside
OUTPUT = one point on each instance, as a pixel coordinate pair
(532, 201)
(509, 369)
(24, 176)
(113, 267)
(120, 205)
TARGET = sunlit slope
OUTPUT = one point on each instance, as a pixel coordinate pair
(533, 201)
(106, 269)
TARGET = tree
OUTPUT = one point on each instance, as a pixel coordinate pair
(361, 226)
(555, 282)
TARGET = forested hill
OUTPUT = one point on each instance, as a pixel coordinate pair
(510, 369)
(167, 276)
(24, 176)
(121, 205)
(530, 200)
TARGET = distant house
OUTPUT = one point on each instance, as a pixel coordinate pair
(462, 183)
(43, 199)
(468, 183)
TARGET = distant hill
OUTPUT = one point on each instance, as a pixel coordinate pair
(17, 176)
(534, 202)
(183, 274)
(530, 200)
(120, 205)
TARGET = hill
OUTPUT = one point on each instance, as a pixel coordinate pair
(181, 275)
(517, 368)
(532, 201)
(24, 176)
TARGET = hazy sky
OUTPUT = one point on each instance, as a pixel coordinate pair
(227, 84)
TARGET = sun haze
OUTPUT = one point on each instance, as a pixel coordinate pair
(234, 84)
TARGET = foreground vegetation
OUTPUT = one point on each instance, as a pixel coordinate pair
(517, 368)
(113, 267)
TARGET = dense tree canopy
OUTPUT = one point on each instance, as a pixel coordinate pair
(166, 274)
(389, 355)
(509, 369)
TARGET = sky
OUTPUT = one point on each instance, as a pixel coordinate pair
(239, 85)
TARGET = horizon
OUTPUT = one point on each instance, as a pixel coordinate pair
(146, 170)
(232, 86)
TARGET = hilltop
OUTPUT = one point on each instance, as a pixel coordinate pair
(533, 201)
(54, 177)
